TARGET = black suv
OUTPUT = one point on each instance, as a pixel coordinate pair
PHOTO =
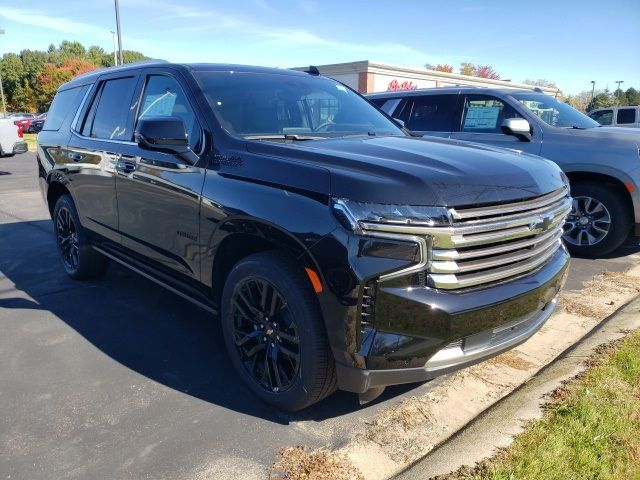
(336, 250)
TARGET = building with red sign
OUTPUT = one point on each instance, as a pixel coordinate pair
(368, 77)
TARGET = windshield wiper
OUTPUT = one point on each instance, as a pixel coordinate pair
(286, 136)
(576, 127)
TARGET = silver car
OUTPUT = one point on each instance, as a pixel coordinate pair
(602, 163)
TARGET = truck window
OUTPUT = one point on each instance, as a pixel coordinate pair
(164, 97)
(108, 114)
(626, 116)
(432, 113)
(485, 114)
(603, 117)
(64, 102)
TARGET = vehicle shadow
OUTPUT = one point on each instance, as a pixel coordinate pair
(140, 325)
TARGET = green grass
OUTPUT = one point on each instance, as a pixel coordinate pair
(590, 431)
(30, 138)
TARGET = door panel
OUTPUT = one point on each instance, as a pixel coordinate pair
(480, 122)
(159, 193)
(103, 130)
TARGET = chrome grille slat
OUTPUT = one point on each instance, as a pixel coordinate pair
(488, 245)
(494, 261)
(453, 255)
(451, 281)
(548, 199)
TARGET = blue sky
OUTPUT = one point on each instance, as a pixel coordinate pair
(570, 43)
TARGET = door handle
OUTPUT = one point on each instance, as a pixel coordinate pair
(126, 167)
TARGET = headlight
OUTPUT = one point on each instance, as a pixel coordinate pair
(354, 214)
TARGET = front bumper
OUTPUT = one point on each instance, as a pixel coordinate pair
(422, 333)
(20, 147)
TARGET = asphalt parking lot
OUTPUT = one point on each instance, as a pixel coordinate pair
(121, 379)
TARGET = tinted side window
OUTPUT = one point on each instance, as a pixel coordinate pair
(432, 113)
(163, 97)
(107, 117)
(626, 115)
(603, 117)
(485, 114)
(64, 102)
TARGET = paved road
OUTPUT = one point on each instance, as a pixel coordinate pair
(121, 379)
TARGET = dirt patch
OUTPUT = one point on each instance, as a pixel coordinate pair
(298, 463)
(510, 359)
(601, 295)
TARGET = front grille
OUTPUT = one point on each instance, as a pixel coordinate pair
(490, 244)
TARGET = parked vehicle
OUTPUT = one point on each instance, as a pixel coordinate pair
(11, 138)
(36, 124)
(601, 163)
(22, 120)
(335, 249)
(628, 117)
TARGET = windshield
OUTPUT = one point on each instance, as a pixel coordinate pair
(259, 105)
(553, 112)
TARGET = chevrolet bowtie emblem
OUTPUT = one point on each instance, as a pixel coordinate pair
(541, 223)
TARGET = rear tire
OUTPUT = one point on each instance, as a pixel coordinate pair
(274, 332)
(79, 260)
(596, 208)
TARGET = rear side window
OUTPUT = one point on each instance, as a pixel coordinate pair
(485, 114)
(432, 113)
(626, 116)
(107, 118)
(603, 117)
(63, 104)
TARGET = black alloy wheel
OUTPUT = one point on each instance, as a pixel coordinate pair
(275, 333)
(265, 334)
(79, 259)
(67, 238)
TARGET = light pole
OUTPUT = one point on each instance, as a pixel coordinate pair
(118, 30)
(618, 82)
(593, 89)
(115, 58)
(4, 105)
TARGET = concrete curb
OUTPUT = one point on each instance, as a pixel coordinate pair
(495, 427)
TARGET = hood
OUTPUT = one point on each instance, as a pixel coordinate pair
(421, 171)
(610, 133)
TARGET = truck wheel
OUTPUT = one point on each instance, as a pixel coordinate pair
(80, 261)
(599, 221)
(274, 332)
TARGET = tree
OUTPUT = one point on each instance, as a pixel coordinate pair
(482, 71)
(439, 67)
(467, 68)
(130, 56)
(486, 71)
(633, 96)
(601, 100)
(99, 57)
(620, 97)
(52, 76)
(541, 82)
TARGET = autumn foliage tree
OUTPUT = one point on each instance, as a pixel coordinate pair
(439, 67)
(31, 78)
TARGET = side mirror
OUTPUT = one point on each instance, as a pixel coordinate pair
(164, 134)
(518, 127)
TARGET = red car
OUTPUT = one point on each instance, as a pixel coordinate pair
(22, 119)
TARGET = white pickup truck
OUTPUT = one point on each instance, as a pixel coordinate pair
(10, 139)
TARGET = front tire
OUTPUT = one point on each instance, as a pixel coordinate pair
(79, 260)
(274, 332)
(599, 221)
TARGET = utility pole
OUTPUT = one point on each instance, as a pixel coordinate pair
(593, 89)
(4, 105)
(618, 82)
(115, 58)
(119, 33)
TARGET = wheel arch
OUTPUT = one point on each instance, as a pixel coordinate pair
(608, 180)
(54, 191)
(243, 237)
